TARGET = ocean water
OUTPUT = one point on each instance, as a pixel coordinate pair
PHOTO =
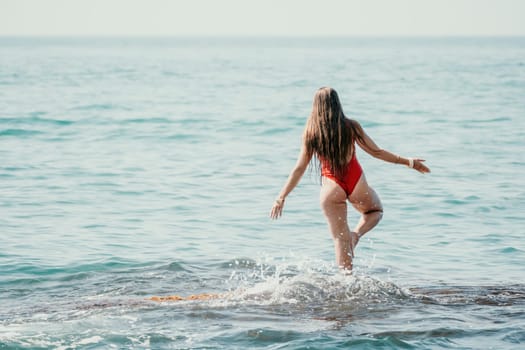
(140, 167)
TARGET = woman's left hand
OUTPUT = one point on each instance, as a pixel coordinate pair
(277, 209)
(419, 166)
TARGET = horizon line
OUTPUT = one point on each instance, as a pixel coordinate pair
(261, 36)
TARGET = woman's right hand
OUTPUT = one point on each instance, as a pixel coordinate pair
(277, 209)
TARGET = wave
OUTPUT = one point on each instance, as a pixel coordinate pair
(504, 295)
(100, 107)
(320, 291)
(152, 120)
(20, 132)
(34, 118)
(265, 302)
(311, 288)
(12, 272)
(308, 288)
(248, 281)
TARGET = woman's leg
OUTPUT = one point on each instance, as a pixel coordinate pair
(333, 202)
(367, 202)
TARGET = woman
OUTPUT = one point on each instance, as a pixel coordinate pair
(331, 138)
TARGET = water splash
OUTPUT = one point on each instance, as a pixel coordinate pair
(299, 285)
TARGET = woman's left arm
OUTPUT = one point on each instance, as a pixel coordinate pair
(370, 147)
(293, 179)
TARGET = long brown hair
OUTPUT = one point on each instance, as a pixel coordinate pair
(329, 135)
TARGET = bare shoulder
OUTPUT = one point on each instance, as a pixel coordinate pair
(355, 125)
(352, 122)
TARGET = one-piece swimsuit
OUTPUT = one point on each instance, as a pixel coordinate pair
(351, 176)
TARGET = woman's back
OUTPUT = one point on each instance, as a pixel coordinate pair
(329, 135)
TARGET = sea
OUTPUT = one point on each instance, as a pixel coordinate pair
(139, 167)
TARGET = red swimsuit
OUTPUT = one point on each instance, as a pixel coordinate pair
(349, 180)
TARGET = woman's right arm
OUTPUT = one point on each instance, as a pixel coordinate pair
(370, 147)
(293, 179)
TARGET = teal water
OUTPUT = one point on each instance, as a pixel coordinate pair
(139, 167)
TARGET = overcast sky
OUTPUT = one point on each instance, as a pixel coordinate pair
(262, 17)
